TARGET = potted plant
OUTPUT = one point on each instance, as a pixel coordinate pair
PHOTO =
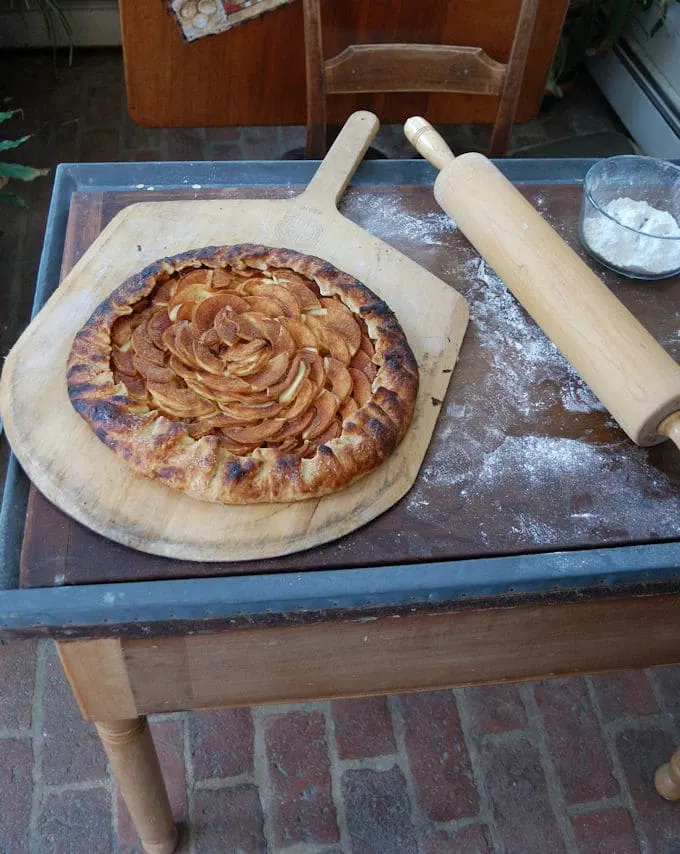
(14, 171)
(591, 28)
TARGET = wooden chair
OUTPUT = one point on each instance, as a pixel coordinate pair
(413, 68)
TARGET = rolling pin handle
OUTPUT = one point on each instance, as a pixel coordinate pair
(425, 139)
(670, 427)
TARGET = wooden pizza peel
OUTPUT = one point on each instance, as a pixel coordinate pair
(79, 474)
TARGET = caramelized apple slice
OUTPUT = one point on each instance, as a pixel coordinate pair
(332, 432)
(304, 397)
(367, 345)
(121, 331)
(317, 375)
(347, 408)
(243, 352)
(338, 376)
(186, 311)
(283, 343)
(328, 339)
(180, 401)
(271, 374)
(340, 320)
(200, 276)
(307, 449)
(122, 358)
(270, 290)
(170, 342)
(156, 326)
(285, 389)
(255, 433)
(206, 359)
(301, 334)
(227, 326)
(235, 448)
(363, 363)
(220, 385)
(164, 292)
(252, 365)
(222, 278)
(264, 327)
(268, 306)
(325, 405)
(206, 311)
(136, 386)
(144, 346)
(152, 371)
(299, 287)
(210, 338)
(361, 387)
(192, 294)
(211, 424)
(248, 413)
(184, 342)
(249, 398)
(292, 428)
(288, 446)
(246, 329)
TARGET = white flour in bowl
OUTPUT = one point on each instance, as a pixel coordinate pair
(627, 250)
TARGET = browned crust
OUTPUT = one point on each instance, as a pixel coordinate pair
(160, 448)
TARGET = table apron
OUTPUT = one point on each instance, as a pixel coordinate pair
(114, 678)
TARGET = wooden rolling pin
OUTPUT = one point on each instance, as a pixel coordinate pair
(626, 368)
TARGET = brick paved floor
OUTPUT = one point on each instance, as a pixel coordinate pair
(557, 766)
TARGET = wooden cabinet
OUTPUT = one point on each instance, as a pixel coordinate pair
(254, 73)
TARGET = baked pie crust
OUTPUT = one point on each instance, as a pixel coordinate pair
(245, 374)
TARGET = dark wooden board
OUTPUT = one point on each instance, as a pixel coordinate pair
(254, 74)
(523, 459)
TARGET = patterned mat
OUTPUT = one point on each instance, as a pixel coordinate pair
(199, 18)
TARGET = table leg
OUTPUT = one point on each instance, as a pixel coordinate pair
(131, 752)
(667, 778)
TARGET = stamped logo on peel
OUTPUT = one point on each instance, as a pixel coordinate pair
(300, 227)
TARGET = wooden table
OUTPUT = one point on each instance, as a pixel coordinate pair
(537, 541)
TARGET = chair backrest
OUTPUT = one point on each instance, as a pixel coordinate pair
(414, 68)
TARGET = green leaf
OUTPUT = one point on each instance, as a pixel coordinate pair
(22, 173)
(553, 86)
(6, 144)
(8, 115)
(12, 199)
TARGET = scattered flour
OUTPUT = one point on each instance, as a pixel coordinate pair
(525, 373)
(627, 503)
(388, 218)
(625, 249)
(502, 326)
(570, 464)
(607, 492)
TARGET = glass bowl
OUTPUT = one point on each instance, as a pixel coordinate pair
(630, 216)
